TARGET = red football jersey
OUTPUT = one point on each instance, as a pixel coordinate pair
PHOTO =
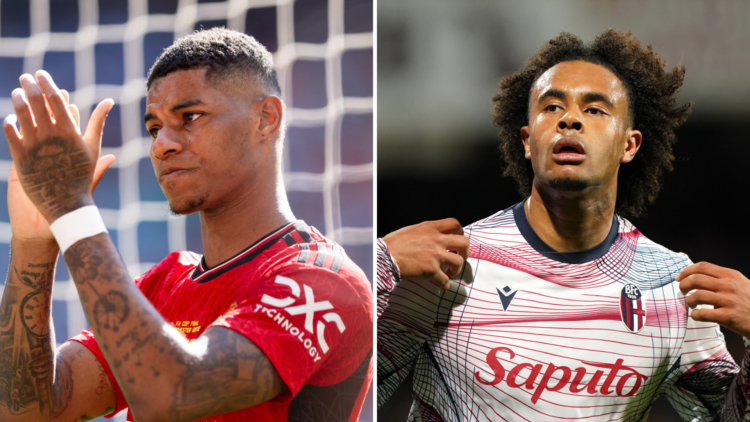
(298, 297)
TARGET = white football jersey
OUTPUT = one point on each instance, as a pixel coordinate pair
(530, 334)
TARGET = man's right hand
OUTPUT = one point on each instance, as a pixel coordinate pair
(432, 250)
(27, 224)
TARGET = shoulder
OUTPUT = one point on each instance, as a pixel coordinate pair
(306, 250)
(501, 218)
(649, 264)
(172, 267)
(646, 247)
(308, 262)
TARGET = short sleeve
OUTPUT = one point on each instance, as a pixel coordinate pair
(313, 324)
(87, 339)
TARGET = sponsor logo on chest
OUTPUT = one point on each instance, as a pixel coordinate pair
(606, 379)
(282, 309)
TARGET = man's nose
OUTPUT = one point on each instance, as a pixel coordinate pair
(570, 122)
(166, 143)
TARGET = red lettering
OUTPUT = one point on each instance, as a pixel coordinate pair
(545, 379)
(611, 376)
(594, 382)
(613, 369)
(511, 380)
(515, 380)
(532, 376)
(621, 384)
(580, 373)
(495, 365)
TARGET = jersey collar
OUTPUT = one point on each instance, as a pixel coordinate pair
(578, 257)
(202, 273)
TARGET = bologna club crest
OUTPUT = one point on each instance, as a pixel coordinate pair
(632, 308)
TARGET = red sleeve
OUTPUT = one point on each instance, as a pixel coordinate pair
(87, 339)
(313, 324)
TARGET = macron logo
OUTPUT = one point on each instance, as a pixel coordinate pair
(309, 308)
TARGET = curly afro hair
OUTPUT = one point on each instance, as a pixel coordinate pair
(653, 110)
(226, 53)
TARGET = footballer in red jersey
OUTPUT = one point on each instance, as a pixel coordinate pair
(272, 323)
(295, 295)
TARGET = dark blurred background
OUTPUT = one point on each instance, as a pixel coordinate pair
(96, 49)
(439, 63)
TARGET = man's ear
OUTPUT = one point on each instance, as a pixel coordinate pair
(271, 114)
(632, 144)
(526, 143)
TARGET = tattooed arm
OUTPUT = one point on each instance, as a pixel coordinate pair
(37, 382)
(163, 377)
(220, 372)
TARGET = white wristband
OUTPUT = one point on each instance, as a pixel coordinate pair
(76, 225)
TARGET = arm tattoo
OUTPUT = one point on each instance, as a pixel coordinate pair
(233, 371)
(87, 263)
(157, 371)
(30, 379)
(55, 176)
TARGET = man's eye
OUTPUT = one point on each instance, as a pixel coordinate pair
(552, 107)
(154, 132)
(191, 117)
(595, 111)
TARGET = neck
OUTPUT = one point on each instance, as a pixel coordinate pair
(571, 221)
(232, 227)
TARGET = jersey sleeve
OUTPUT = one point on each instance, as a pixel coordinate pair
(406, 314)
(87, 339)
(312, 323)
(710, 385)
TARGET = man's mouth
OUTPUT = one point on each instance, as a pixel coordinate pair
(568, 151)
(172, 174)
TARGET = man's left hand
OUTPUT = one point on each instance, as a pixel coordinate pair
(727, 290)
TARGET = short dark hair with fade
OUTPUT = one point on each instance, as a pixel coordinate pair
(224, 52)
(653, 110)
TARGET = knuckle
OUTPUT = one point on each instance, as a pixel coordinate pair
(730, 318)
(35, 95)
(430, 269)
(56, 96)
(729, 286)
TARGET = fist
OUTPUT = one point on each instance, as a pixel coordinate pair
(433, 250)
(727, 290)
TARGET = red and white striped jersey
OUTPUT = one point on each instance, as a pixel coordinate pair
(530, 334)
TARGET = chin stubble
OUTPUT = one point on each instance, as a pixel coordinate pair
(190, 207)
(568, 185)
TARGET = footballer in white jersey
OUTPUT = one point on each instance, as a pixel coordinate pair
(529, 334)
(559, 309)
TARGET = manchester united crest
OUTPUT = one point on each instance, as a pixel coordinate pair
(632, 308)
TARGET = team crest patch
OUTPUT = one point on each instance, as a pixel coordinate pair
(632, 307)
